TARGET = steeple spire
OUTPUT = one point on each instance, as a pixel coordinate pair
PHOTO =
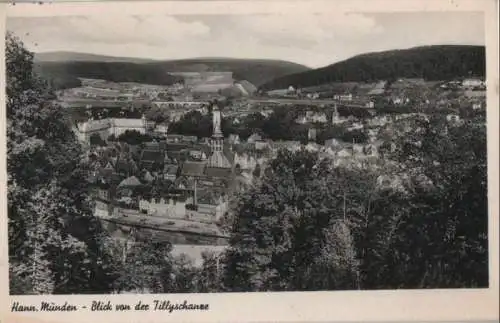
(216, 122)
(217, 159)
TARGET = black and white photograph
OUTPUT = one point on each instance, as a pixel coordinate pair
(188, 153)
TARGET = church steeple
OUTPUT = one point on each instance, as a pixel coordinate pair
(216, 122)
(217, 159)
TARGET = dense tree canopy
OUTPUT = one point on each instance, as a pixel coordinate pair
(52, 235)
(429, 62)
(308, 226)
(133, 137)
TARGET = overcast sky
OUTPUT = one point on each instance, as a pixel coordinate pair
(312, 40)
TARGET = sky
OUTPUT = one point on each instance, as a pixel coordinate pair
(313, 40)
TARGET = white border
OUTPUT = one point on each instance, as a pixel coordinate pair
(409, 305)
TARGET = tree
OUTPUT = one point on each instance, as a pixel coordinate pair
(184, 275)
(193, 123)
(134, 137)
(49, 252)
(209, 278)
(142, 266)
(257, 171)
(435, 235)
(96, 140)
(283, 228)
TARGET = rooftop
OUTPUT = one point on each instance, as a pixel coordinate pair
(193, 168)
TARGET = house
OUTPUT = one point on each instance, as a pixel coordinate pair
(102, 209)
(332, 143)
(370, 150)
(261, 145)
(170, 172)
(151, 159)
(234, 139)
(475, 94)
(126, 187)
(311, 135)
(313, 147)
(253, 138)
(161, 129)
(131, 181)
(378, 89)
(147, 177)
(472, 82)
(193, 168)
(266, 113)
(477, 106)
(343, 97)
(169, 208)
(280, 92)
(453, 119)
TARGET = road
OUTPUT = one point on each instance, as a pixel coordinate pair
(168, 224)
(306, 102)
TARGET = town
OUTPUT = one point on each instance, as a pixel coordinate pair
(156, 179)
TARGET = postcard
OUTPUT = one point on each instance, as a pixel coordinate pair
(227, 161)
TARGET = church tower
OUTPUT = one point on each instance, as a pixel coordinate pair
(336, 115)
(217, 159)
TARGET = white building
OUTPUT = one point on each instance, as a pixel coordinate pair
(106, 127)
(472, 83)
(343, 97)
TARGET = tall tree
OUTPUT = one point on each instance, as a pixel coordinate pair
(47, 196)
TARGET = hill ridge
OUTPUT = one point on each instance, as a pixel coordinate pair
(255, 71)
(430, 62)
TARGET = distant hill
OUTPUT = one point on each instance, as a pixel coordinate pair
(64, 73)
(440, 62)
(63, 65)
(62, 56)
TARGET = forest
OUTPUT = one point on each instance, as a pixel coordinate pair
(304, 225)
(440, 62)
(254, 71)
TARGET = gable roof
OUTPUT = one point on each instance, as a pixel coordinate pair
(148, 177)
(193, 168)
(217, 159)
(217, 172)
(171, 169)
(130, 181)
(155, 146)
(152, 156)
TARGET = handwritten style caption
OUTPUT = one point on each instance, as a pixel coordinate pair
(107, 306)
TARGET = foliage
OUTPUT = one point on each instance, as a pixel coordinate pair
(193, 123)
(308, 226)
(447, 224)
(110, 71)
(49, 249)
(341, 133)
(134, 137)
(142, 267)
(282, 227)
(209, 276)
(255, 71)
(157, 114)
(96, 140)
(430, 62)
